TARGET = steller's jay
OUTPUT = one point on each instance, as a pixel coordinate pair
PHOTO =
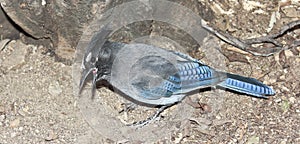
(155, 76)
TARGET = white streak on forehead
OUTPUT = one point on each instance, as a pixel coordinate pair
(86, 60)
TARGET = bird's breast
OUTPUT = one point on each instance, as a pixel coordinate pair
(140, 71)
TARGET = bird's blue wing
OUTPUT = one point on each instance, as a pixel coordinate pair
(190, 74)
(194, 74)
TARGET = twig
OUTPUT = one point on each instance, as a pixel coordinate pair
(246, 45)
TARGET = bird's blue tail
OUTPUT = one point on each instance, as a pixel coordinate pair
(246, 85)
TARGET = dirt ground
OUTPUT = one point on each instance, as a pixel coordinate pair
(38, 104)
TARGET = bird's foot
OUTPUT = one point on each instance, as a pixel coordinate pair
(147, 121)
(128, 107)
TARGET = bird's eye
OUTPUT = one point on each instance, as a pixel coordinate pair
(93, 59)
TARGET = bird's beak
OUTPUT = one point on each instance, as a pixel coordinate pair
(83, 80)
(84, 76)
(95, 75)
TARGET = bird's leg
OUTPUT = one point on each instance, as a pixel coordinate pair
(142, 123)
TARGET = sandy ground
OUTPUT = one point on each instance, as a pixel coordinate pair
(38, 104)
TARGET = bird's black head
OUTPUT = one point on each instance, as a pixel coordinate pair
(90, 60)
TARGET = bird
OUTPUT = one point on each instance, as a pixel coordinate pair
(154, 76)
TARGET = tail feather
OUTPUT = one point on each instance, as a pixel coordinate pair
(246, 85)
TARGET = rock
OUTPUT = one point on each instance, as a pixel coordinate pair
(14, 55)
(54, 88)
(277, 100)
(52, 21)
(7, 30)
(2, 109)
(291, 11)
(15, 123)
(293, 100)
(2, 117)
(51, 136)
(253, 140)
(13, 134)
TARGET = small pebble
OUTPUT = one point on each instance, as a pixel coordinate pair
(37, 131)
(2, 109)
(13, 134)
(15, 123)
(253, 140)
(284, 141)
(277, 100)
(21, 128)
(235, 140)
(17, 56)
(292, 99)
(2, 117)
(44, 2)
(51, 136)
(55, 88)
